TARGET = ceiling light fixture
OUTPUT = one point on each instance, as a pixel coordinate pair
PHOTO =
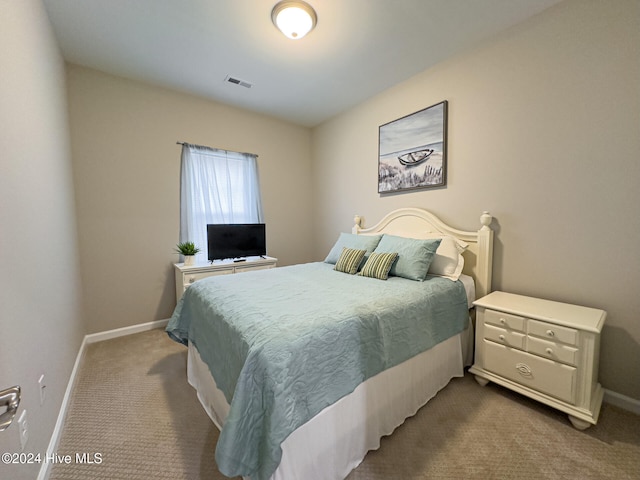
(294, 18)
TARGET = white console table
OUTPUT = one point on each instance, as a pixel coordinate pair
(186, 275)
(546, 350)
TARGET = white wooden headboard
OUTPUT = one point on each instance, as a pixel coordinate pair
(419, 223)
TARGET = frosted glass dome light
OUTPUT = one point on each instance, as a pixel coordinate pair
(294, 18)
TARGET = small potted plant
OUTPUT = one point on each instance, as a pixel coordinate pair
(188, 250)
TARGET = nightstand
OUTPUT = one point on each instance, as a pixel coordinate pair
(185, 276)
(546, 350)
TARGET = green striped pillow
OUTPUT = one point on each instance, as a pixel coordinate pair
(349, 260)
(378, 265)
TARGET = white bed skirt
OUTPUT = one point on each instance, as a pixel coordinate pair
(336, 440)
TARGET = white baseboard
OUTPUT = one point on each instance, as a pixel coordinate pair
(43, 474)
(124, 331)
(626, 403)
(57, 429)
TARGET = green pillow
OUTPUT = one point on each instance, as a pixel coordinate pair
(414, 256)
(378, 265)
(349, 260)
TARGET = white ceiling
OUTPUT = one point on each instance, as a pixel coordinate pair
(358, 49)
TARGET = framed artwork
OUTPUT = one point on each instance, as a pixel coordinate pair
(412, 151)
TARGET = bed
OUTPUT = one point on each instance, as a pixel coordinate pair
(304, 368)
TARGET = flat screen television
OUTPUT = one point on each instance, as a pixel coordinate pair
(235, 240)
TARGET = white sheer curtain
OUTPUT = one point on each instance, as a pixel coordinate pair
(216, 186)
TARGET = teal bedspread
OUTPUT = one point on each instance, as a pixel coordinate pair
(285, 343)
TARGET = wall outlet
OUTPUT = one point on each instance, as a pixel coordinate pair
(42, 387)
(23, 429)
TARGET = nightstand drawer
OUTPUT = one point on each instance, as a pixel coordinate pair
(190, 278)
(542, 375)
(553, 332)
(505, 320)
(248, 268)
(504, 337)
(552, 350)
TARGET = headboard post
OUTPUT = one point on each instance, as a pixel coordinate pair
(484, 269)
(357, 221)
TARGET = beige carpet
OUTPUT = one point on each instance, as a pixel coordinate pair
(133, 406)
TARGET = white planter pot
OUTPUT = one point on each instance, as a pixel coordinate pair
(189, 260)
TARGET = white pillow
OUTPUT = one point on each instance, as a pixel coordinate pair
(448, 261)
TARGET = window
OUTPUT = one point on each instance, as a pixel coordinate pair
(216, 186)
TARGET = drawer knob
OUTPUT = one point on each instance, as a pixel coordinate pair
(549, 351)
(501, 337)
(503, 321)
(192, 279)
(550, 333)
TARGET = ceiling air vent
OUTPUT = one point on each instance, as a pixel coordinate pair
(237, 81)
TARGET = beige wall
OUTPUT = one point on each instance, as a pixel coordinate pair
(40, 318)
(544, 133)
(126, 167)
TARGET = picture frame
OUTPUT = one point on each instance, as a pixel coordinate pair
(412, 151)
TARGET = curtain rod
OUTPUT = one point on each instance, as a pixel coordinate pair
(221, 149)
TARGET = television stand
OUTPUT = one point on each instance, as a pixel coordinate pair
(185, 276)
